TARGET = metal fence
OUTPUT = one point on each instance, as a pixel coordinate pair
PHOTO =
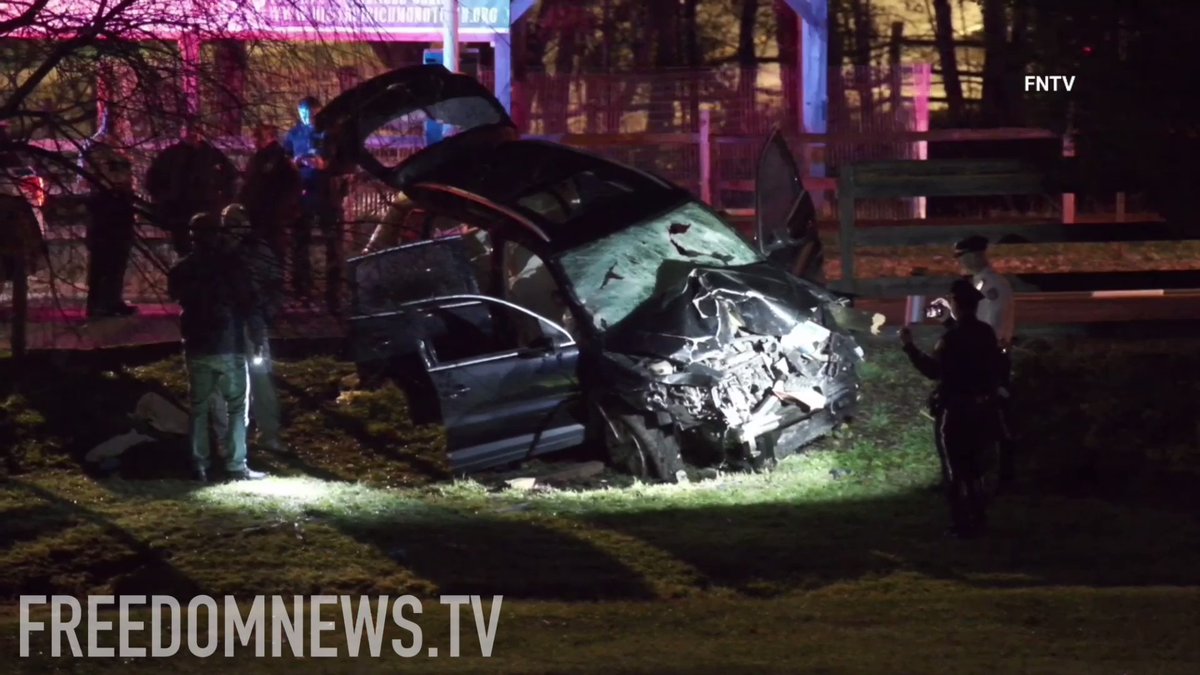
(744, 104)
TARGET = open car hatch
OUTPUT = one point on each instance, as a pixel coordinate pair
(349, 121)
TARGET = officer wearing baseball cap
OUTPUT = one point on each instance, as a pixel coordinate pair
(967, 365)
(996, 308)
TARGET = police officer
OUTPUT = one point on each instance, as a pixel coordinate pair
(997, 307)
(21, 240)
(110, 230)
(998, 310)
(968, 367)
(320, 204)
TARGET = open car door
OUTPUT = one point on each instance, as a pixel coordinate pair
(785, 218)
(499, 376)
(512, 398)
(406, 98)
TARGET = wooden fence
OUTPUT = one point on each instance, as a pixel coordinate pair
(368, 199)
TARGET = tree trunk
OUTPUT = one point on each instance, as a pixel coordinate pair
(564, 68)
(664, 23)
(996, 88)
(522, 55)
(863, 29)
(748, 62)
(20, 306)
(944, 37)
(838, 113)
(1018, 59)
(694, 59)
(787, 36)
(895, 71)
(643, 60)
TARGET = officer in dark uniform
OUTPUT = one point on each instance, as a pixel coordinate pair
(997, 309)
(968, 366)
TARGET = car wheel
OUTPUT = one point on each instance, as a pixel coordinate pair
(644, 451)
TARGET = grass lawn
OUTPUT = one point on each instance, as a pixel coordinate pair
(832, 563)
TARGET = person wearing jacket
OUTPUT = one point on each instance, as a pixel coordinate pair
(271, 191)
(217, 297)
(111, 227)
(265, 275)
(189, 177)
(969, 369)
(320, 207)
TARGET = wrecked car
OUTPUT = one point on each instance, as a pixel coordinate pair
(582, 301)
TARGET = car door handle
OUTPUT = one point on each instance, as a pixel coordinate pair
(460, 390)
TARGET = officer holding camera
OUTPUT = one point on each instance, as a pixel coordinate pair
(997, 309)
(968, 367)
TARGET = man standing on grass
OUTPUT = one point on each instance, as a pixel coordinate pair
(217, 297)
(968, 367)
(266, 278)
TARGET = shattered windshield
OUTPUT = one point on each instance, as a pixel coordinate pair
(613, 275)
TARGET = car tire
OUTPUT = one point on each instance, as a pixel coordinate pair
(644, 451)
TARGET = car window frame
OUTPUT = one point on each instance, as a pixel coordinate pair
(452, 301)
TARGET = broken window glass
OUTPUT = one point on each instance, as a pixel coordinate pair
(613, 275)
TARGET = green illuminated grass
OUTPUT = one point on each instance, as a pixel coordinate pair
(832, 563)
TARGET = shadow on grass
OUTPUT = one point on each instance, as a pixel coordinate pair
(134, 566)
(1111, 419)
(764, 550)
(1119, 411)
(541, 551)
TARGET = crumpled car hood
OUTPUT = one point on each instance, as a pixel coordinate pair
(696, 310)
(733, 352)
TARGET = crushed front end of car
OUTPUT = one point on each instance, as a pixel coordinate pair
(745, 364)
(713, 355)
